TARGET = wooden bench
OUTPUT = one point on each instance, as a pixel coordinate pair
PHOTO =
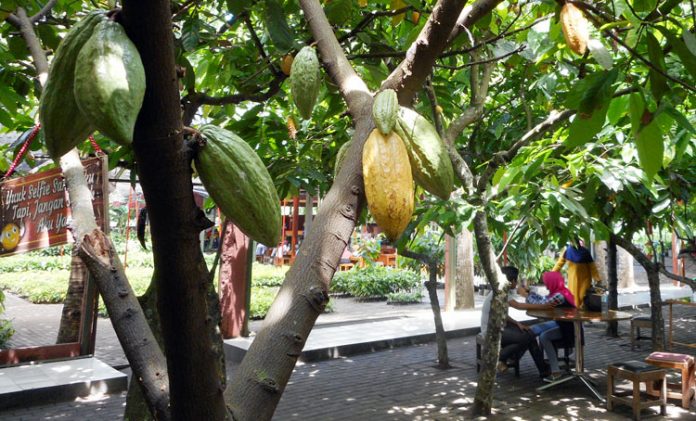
(681, 362)
(637, 372)
(638, 322)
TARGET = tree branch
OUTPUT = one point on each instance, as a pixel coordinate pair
(488, 60)
(553, 121)
(43, 12)
(423, 258)
(408, 78)
(470, 15)
(690, 282)
(437, 116)
(369, 17)
(259, 45)
(22, 22)
(352, 87)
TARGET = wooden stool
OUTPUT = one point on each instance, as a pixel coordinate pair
(638, 322)
(683, 362)
(637, 372)
(479, 344)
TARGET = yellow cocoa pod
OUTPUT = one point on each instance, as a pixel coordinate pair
(286, 64)
(388, 182)
(575, 28)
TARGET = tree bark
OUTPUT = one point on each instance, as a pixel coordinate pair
(464, 277)
(193, 360)
(431, 286)
(440, 336)
(139, 344)
(612, 280)
(626, 276)
(483, 400)
(653, 271)
(71, 316)
(268, 364)
(600, 252)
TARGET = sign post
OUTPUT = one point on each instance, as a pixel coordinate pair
(34, 214)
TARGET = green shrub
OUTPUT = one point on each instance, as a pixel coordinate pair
(402, 297)
(374, 282)
(6, 330)
(267, 281)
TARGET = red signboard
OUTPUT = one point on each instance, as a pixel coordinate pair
(35, 211)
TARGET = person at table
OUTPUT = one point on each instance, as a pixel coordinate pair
(551, 330)
(581, 269)
(516, 338)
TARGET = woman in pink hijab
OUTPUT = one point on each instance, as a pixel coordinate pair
(551, 330)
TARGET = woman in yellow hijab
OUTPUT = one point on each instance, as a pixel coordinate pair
(581, 270)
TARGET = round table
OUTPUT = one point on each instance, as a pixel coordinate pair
(577, 316)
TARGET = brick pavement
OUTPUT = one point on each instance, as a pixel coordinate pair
(403, 384)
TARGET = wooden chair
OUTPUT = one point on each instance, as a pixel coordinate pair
(684, 363)
(637, 372)
(638, 322)
(479, 345)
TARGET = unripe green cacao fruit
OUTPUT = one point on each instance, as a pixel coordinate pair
(385, 109)
(341, 156)
(110, 82)
(388, 182)
(430, 162)
(239, 184)
(305, 80)
(64, 126)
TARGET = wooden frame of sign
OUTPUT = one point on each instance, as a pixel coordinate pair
(34, 214)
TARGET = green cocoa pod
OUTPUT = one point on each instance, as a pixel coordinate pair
(432, 168)
(239, 184)
(110, 82)
(385, 110)
(340, 156)
(63, 123)
(305, 80)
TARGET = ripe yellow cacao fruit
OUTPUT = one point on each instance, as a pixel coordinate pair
(305, 80)
(64, 126)
(575, 28)
(388, 182)
(385, 109)
(240, 184)
(430, 162)
(110, 82)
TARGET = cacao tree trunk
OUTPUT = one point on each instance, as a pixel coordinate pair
(626, 274)
(483, 400)
(612, 280)
(431, 286)
(69, 330)
(268, 364)
(164, 166)
(440, 336)
(653, 271)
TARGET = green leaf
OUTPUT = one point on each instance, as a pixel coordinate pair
(339, 11)
(644, 5)
(689, 41)
(650, 148)
(190, 34)
(583, 129)
(277, 26)
(238, 6)
(593, 92)
(636, 108)
(680, 119)
(685, 53)
(658, 83)
(617, 109)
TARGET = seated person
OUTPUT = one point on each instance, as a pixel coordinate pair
(516, 337)
(549, 331)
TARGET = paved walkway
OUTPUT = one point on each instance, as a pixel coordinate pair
(399, 383)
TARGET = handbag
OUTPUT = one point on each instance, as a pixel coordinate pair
(593, 298)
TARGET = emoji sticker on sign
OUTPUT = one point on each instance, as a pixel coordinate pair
(10, 236)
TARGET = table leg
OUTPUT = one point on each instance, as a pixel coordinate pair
(579, 357)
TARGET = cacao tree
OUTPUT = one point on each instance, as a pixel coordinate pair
(519, 111)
